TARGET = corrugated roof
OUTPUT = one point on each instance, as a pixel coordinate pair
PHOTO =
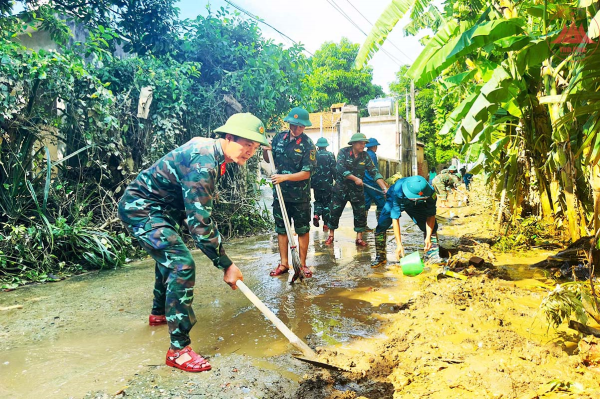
(337, 105)
(329, 119)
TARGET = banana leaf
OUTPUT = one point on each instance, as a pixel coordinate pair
(442, 43)
(458, 113)
(382, 28)
(441, 53)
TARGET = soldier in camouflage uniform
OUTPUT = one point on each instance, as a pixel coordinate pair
(352, 162)
(322, 183)
(417, 198)
(294, 156)
(445, 182)
(180, 187)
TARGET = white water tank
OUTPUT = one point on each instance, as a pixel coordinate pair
(381, 106)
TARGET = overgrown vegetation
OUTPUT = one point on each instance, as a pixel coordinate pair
(521, 81)
(71, 138)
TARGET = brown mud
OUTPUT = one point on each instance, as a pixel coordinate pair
(424, 336)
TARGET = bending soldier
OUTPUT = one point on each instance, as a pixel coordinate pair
(444, 183)
(181, 186)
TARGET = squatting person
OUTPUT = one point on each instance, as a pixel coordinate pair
(417, 198)
(179, 188)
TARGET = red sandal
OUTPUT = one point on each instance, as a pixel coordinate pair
(307, 272)
(193, 363)
(279, 270)
(361, 243)
(329, 240)
(155, 320)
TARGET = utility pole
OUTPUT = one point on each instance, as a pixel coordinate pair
(415, 166)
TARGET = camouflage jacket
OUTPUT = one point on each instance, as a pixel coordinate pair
(322, 179)
(293, 156)
(448, 180)
(348, 164)
(182, 183)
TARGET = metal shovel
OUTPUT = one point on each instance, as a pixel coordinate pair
(308, 355)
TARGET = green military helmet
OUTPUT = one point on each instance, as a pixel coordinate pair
(245, 125)
(322, 142)
(356, 137)
(298, 116)
(452, 169)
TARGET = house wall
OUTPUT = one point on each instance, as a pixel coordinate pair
(395, 141)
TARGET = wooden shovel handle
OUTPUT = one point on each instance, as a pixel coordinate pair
(293, 338)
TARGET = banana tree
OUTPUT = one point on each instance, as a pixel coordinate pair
(509, 64)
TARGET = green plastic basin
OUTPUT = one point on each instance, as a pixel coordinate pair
(412, 264)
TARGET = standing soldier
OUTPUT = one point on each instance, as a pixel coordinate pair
(370, 194)
(352, 162)
(417, 198)
(322, 182)
(444, 183)
(181, 186)
(294, 156)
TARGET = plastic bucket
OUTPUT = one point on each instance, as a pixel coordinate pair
(412, 264)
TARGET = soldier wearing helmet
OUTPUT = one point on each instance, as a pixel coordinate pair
(294, 155)
(181, 186)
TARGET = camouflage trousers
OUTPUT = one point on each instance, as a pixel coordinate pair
(322, 204)
(338, 203)
(441, 190)
(175, 276)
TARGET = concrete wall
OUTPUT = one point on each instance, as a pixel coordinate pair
(395, 140)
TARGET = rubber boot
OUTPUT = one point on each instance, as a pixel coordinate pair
(433, 255)
(380, 250)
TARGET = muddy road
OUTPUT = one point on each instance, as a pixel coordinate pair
(89, 333)
(402, 337)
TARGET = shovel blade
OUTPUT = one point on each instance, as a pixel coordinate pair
(321, 364)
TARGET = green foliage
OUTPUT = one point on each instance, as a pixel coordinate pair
(46, 251)
(333, 78)
(83, 102)
(525, 233)
(573, 299)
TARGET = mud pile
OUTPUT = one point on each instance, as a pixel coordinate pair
(480, 338)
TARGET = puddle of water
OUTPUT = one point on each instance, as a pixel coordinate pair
(90, 332)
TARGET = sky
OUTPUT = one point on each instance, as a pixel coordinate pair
(313, 22)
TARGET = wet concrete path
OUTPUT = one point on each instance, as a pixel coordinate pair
(90, 333)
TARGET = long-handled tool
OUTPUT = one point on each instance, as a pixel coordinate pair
(373, 188)
(309, 355)
(295, 257)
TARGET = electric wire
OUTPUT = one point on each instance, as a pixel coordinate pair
(347, 17)
(388, 40)
(239, 8)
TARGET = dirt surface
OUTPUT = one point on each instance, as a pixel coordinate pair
(402, 337)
